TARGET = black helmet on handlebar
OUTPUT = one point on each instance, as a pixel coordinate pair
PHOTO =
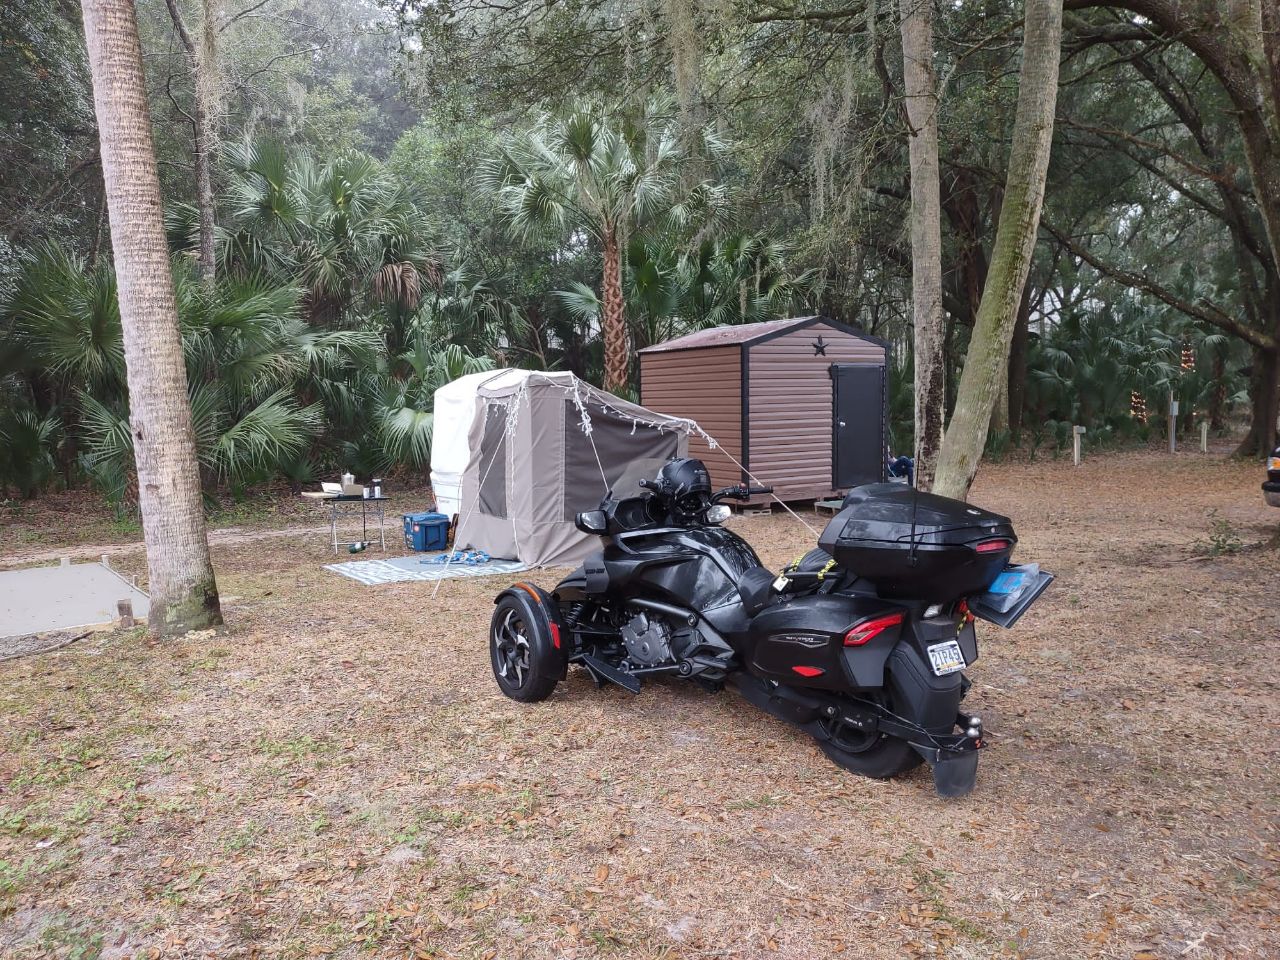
(684, 477)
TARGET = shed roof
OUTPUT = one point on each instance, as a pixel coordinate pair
(747, 333)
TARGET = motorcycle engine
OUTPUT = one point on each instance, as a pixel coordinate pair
(648, 640)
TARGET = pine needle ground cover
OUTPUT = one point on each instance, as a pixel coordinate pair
(337, 775)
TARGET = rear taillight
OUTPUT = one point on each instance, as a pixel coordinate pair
(993, 546)
(866, 631)
(1273, 463)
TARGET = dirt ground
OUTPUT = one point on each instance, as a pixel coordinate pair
(336, 774)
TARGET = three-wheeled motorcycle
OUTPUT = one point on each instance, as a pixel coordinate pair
(862, 642)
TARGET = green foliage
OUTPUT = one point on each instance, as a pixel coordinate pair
(1224, 538)
(66, 314)
(271, 393)
(1087, 367)
(30, 443)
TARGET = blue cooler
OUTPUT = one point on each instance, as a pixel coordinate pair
(426, 531)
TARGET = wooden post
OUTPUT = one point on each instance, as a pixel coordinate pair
(125, 609)
(1076, 433)
(1204, 436)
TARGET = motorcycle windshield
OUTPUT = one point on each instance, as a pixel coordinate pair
(628, 485)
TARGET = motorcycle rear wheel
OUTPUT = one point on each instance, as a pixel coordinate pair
(873, 755)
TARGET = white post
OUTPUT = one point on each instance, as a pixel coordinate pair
(1204, 436)
(1075, 443)
(1173, 423)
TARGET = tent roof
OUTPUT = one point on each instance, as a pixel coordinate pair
(510, 381)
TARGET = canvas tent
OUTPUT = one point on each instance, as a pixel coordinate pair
(539, 448)
(455, 407)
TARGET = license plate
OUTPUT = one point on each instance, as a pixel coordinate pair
(946, 658)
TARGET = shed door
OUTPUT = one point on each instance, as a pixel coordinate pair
(857, 440)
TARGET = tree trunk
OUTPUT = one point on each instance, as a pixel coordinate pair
(205, 69)
(183, 593)
(987, 363)
(206, 139)
(921, 96)
(1264, 403)
(614, 326)
(1218, 398)
(1018, 364)
(1264, 384)
(1000, 409)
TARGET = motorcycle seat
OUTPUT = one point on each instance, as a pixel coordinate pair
(755, 586)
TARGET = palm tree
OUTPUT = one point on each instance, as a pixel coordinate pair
(184, 595)
(593, 171)
(739, 278)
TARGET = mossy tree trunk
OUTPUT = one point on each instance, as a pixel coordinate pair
(183, 593)
(1018, 364)
(986, 366)
(920, 86)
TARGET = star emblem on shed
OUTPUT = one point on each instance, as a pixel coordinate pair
(819, 347)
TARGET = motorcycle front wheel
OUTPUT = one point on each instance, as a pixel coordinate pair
(519, 649)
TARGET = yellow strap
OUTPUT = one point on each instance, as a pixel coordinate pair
(823, 572)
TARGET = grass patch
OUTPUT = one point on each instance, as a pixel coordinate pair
(71, 941)
(1223, 540)
(294, 748)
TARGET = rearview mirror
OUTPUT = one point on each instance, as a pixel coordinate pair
(591, 521)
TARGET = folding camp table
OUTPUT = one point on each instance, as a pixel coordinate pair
(343, 503)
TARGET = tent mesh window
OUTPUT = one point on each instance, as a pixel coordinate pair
(493, 461)
(618, 442)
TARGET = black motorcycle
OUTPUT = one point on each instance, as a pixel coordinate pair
(862, 643)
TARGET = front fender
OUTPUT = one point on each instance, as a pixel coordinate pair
(543, 613)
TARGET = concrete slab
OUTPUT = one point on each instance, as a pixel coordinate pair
(59, 598)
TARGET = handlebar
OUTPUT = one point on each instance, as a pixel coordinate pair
(740, 492)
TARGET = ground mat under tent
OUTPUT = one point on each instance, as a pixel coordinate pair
(403, 569)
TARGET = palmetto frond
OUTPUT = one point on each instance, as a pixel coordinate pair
(581, 303)
(68, 316)
(105, 431)
(277, 430)
(30, 442)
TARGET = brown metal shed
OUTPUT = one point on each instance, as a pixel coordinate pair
(801, 403)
